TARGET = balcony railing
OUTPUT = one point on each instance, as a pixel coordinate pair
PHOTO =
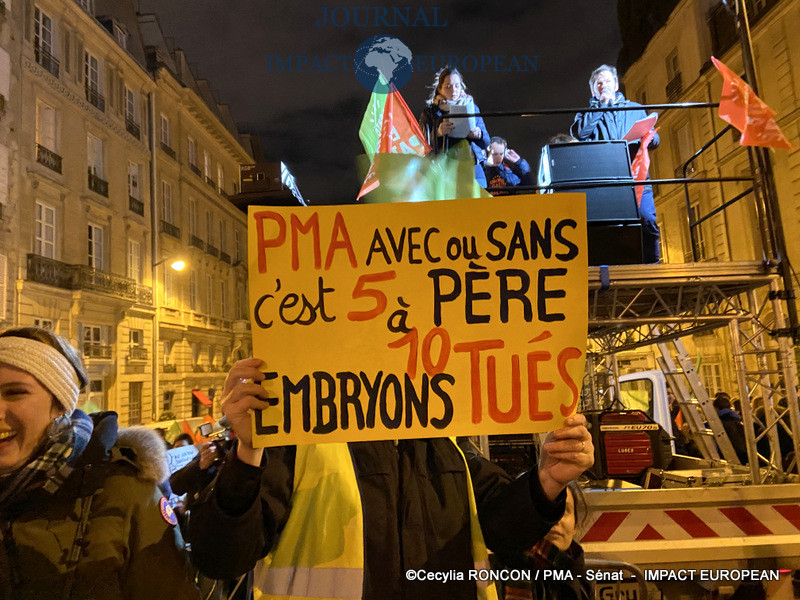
(210, 182)
(95, 98)
(197, 242)
(225, 257)
(132, 127)
(137, 353)
(96, 351)
(213, 251)
(196, 170)
(136, 206)
(198, 369)
(167, 150)
(170, 369)
(220, 191)
(170, 229)
(98, 185)
(46, 60)
(674, 88)
(48, 158)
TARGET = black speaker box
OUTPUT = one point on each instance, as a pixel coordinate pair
(589, 161)
(614, 204)
(619, 244)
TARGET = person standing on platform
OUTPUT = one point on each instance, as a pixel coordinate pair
(613, 125)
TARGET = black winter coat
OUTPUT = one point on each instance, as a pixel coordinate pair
(416, 514)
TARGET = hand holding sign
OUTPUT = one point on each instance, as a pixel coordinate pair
(241, 395)
(566, 453)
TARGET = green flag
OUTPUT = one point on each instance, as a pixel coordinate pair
(370, 131)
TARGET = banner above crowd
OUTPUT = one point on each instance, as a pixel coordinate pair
(432, 319)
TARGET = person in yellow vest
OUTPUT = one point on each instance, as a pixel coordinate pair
(388, 520)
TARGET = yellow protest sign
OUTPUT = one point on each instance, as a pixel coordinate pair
(431, 319)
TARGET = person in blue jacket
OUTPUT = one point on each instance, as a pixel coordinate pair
(504, 167)
(613, 125)
(450, 90)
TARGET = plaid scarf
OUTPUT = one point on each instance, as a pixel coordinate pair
(53, 459)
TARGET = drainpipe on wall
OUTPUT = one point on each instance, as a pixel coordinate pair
(151, 127)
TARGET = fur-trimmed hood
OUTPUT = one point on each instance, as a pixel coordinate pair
(148, 449)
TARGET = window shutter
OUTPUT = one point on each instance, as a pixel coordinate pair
(79, 60)
(67, 59)
(111, 78)
(28, 19)
(3, 285)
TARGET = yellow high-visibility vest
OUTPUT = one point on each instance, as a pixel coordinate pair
(320, 554)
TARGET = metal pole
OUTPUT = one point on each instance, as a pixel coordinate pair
(767, 175)
(151, 125)
(747, 415)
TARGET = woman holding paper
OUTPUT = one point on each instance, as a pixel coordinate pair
(81, 516)
(450, 97)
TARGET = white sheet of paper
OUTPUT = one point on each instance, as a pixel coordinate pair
(461, 126)
(639, 129)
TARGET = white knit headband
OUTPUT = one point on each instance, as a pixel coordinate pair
(46, 364)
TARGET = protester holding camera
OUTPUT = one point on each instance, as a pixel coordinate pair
(81, 516)
(504, 167)
(449, 90)
(360, 520)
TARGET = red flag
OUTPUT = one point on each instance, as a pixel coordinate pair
(188, 430)
(739, 106)
(641, 163)
(400, 134)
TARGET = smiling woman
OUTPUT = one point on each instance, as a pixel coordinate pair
(80, 511)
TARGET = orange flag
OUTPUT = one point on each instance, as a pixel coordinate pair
(186, 429)
(400, 134)
(641, 163)
(739, 106)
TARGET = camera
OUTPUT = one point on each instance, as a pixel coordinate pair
(220, 438)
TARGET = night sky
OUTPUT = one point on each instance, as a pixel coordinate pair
(310, 119)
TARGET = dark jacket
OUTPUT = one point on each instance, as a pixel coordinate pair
(574, 586)
(429, 121)
(508, 175)
(610, 125)
(415, 503)
(128, 551)
(732, 423)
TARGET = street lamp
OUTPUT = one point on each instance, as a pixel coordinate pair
(177, 264)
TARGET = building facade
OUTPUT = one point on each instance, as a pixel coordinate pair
(120, 162)
(676, 67)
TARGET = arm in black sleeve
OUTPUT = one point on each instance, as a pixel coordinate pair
(514, 514)
(585, 124)
(522, 169)
(243, 511)
(191, 478)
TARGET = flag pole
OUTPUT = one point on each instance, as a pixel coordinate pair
(767, 180)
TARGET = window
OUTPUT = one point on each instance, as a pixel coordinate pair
(87, 5)
(121, 35)
(94, 336)
(44, 324)
(135, 402)
(130, 105)
(193, 290)
(684, 145)
(195, 353)
(45, 242)
(209, 295)
(168, 346)
(135, 261)
(241, 312)
(91, 71)
(220, 177)
(42, 31)
(192, 152)
(673, 65)
(134, 190)
(193, 217)
(698, 233)
(96, 247)
(136, 338)
(206, 164)
(166, 203)
(46, 126)
(223, 300)
(94, 158)
(223, 235)
(711, 374)
(169, 396)
(165, 132)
